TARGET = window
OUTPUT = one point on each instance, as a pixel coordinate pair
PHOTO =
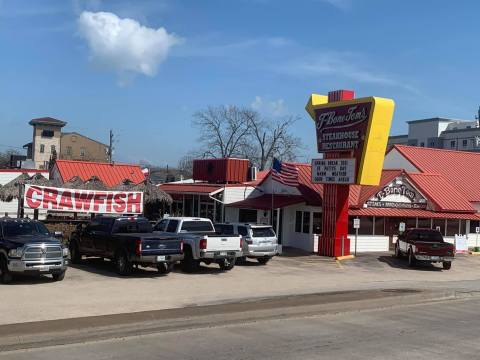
(263, 232)
(473, 225)
(366, 225)
(129, 226)
(440, 223)
(298, 221)
(306, 222)
(432, 144)
(223, 229)
(242, 230)
(424, 223)
(160, 226)
(247, 216)
(47, 133)
(379, 226)
(452, 227)
(172, 226)
(69, 150)
(317, 223)
(464, 143)
(463, 226)
(422, 144)
(52, 149)
(82, 152)
(42, 148)
(198, 226)
(452, 144)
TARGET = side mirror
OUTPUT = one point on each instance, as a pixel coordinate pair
(58, 234)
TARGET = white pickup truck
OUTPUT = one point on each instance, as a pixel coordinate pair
(201, 244)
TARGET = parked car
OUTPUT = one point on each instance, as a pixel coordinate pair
(259, 241)
(27, 247)
(128, 241)
(424, 245)
(201, 243)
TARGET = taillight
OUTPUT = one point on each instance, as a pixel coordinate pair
(203, 244)
(138, 247)
(249, 241)
(241, 243)
(181, 247)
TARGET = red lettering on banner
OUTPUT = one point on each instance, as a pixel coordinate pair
(83, 201)
(134, 200)
(119, 202)
(50, 197)
(31, 202)
(98, 199)
(66, 200)
(109, 203)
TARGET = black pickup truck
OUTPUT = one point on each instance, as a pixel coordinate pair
(128, 241)
(27, 247)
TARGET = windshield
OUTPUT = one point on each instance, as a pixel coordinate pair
(426, 236)
(128, 226)
(263, 232)
(197, 226)
(13, 228)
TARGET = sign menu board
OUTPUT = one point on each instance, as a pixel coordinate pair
(333, 171)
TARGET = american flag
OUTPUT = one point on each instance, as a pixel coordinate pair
(285, 173)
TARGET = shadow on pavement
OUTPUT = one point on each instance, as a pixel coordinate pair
(402, 263)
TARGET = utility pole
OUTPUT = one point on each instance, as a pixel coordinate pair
(110, 147)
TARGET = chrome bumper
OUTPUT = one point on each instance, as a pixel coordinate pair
(433, 258)
(155, 259)
(219, 254)
(47, 266)
(251, 252)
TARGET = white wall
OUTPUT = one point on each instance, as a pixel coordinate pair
(231, 214)
(239, 193)
(369, 243)
(395, 160)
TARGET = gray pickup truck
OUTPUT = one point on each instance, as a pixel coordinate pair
(27, 247)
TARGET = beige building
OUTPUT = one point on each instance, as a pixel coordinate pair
(74, 146)
(49, 142)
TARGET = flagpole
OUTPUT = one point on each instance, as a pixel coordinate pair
(273, 190)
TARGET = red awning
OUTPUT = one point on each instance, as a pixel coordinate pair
(388, 212)
(264, 202)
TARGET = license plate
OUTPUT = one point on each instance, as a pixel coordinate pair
(223, 253)
(161, 258)
(435, 257)
(43, 268)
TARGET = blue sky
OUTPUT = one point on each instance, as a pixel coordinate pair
(270, 54)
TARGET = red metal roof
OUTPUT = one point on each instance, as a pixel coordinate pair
(190, 188)
(110, 174)
(264, 202)
(460, 168)
(390, 212)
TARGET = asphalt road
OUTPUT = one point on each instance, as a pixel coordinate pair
(440, 330)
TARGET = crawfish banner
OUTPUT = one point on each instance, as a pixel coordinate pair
(83, 201)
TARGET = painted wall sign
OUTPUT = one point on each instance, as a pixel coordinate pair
(333, 171)
(83, 201)
(398, 194)
(359, 128)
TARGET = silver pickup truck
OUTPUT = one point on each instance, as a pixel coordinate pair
(201, 243)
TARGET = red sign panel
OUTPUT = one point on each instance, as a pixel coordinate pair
(83, 201)
(343, 127)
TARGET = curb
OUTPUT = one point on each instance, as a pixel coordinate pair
(346, 257)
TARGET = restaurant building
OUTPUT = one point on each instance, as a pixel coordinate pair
(420, 187)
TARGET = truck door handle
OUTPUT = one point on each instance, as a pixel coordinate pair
(224, 239)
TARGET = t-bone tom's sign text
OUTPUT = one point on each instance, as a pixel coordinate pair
(333, 171)
(342, 128)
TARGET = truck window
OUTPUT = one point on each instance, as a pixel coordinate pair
(197, 226)
(160, 226)
(129, 226)
(172, 226)
(242, 230)
(106, 224)
(263, 232)
(223, 229)
(425, 235)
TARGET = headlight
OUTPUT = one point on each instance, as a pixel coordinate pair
(65, 252)
(16, 253)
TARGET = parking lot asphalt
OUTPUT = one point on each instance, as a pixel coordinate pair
(93, 288)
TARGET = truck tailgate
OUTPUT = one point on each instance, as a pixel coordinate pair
(153, 244)
(223, 243)
(439, 249)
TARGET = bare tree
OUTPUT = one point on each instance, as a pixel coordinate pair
(223, 130)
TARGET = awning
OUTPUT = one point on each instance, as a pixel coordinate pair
(264, 202)
(389, 212)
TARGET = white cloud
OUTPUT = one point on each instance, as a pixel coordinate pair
(273, 108)
(124, 45)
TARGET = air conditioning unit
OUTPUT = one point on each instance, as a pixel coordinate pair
(253, 173)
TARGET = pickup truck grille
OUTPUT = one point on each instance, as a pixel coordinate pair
(39, 253)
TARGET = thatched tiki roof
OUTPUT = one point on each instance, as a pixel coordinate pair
(39, 180)
(124, 185)
(94, 183)
(73, 183)
(151, 193)
(11, 190)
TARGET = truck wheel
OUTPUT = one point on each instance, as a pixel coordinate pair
(447, 265)
(189, 264)
(5, 274)
(227, 264)
(59, 276)
(75, 254)
(122, 264)
(411, 259)
(398, 254)
(263, 261)
(241, 260)
(165, 268)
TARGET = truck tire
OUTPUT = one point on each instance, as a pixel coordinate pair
(123, 265)
(263, 261)
(411, 258)
(75, 255)
(241, 260)
(5, 275)
(227, 264)
(189, 264)
(165, 268)
(447, 265)
(59, 276)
